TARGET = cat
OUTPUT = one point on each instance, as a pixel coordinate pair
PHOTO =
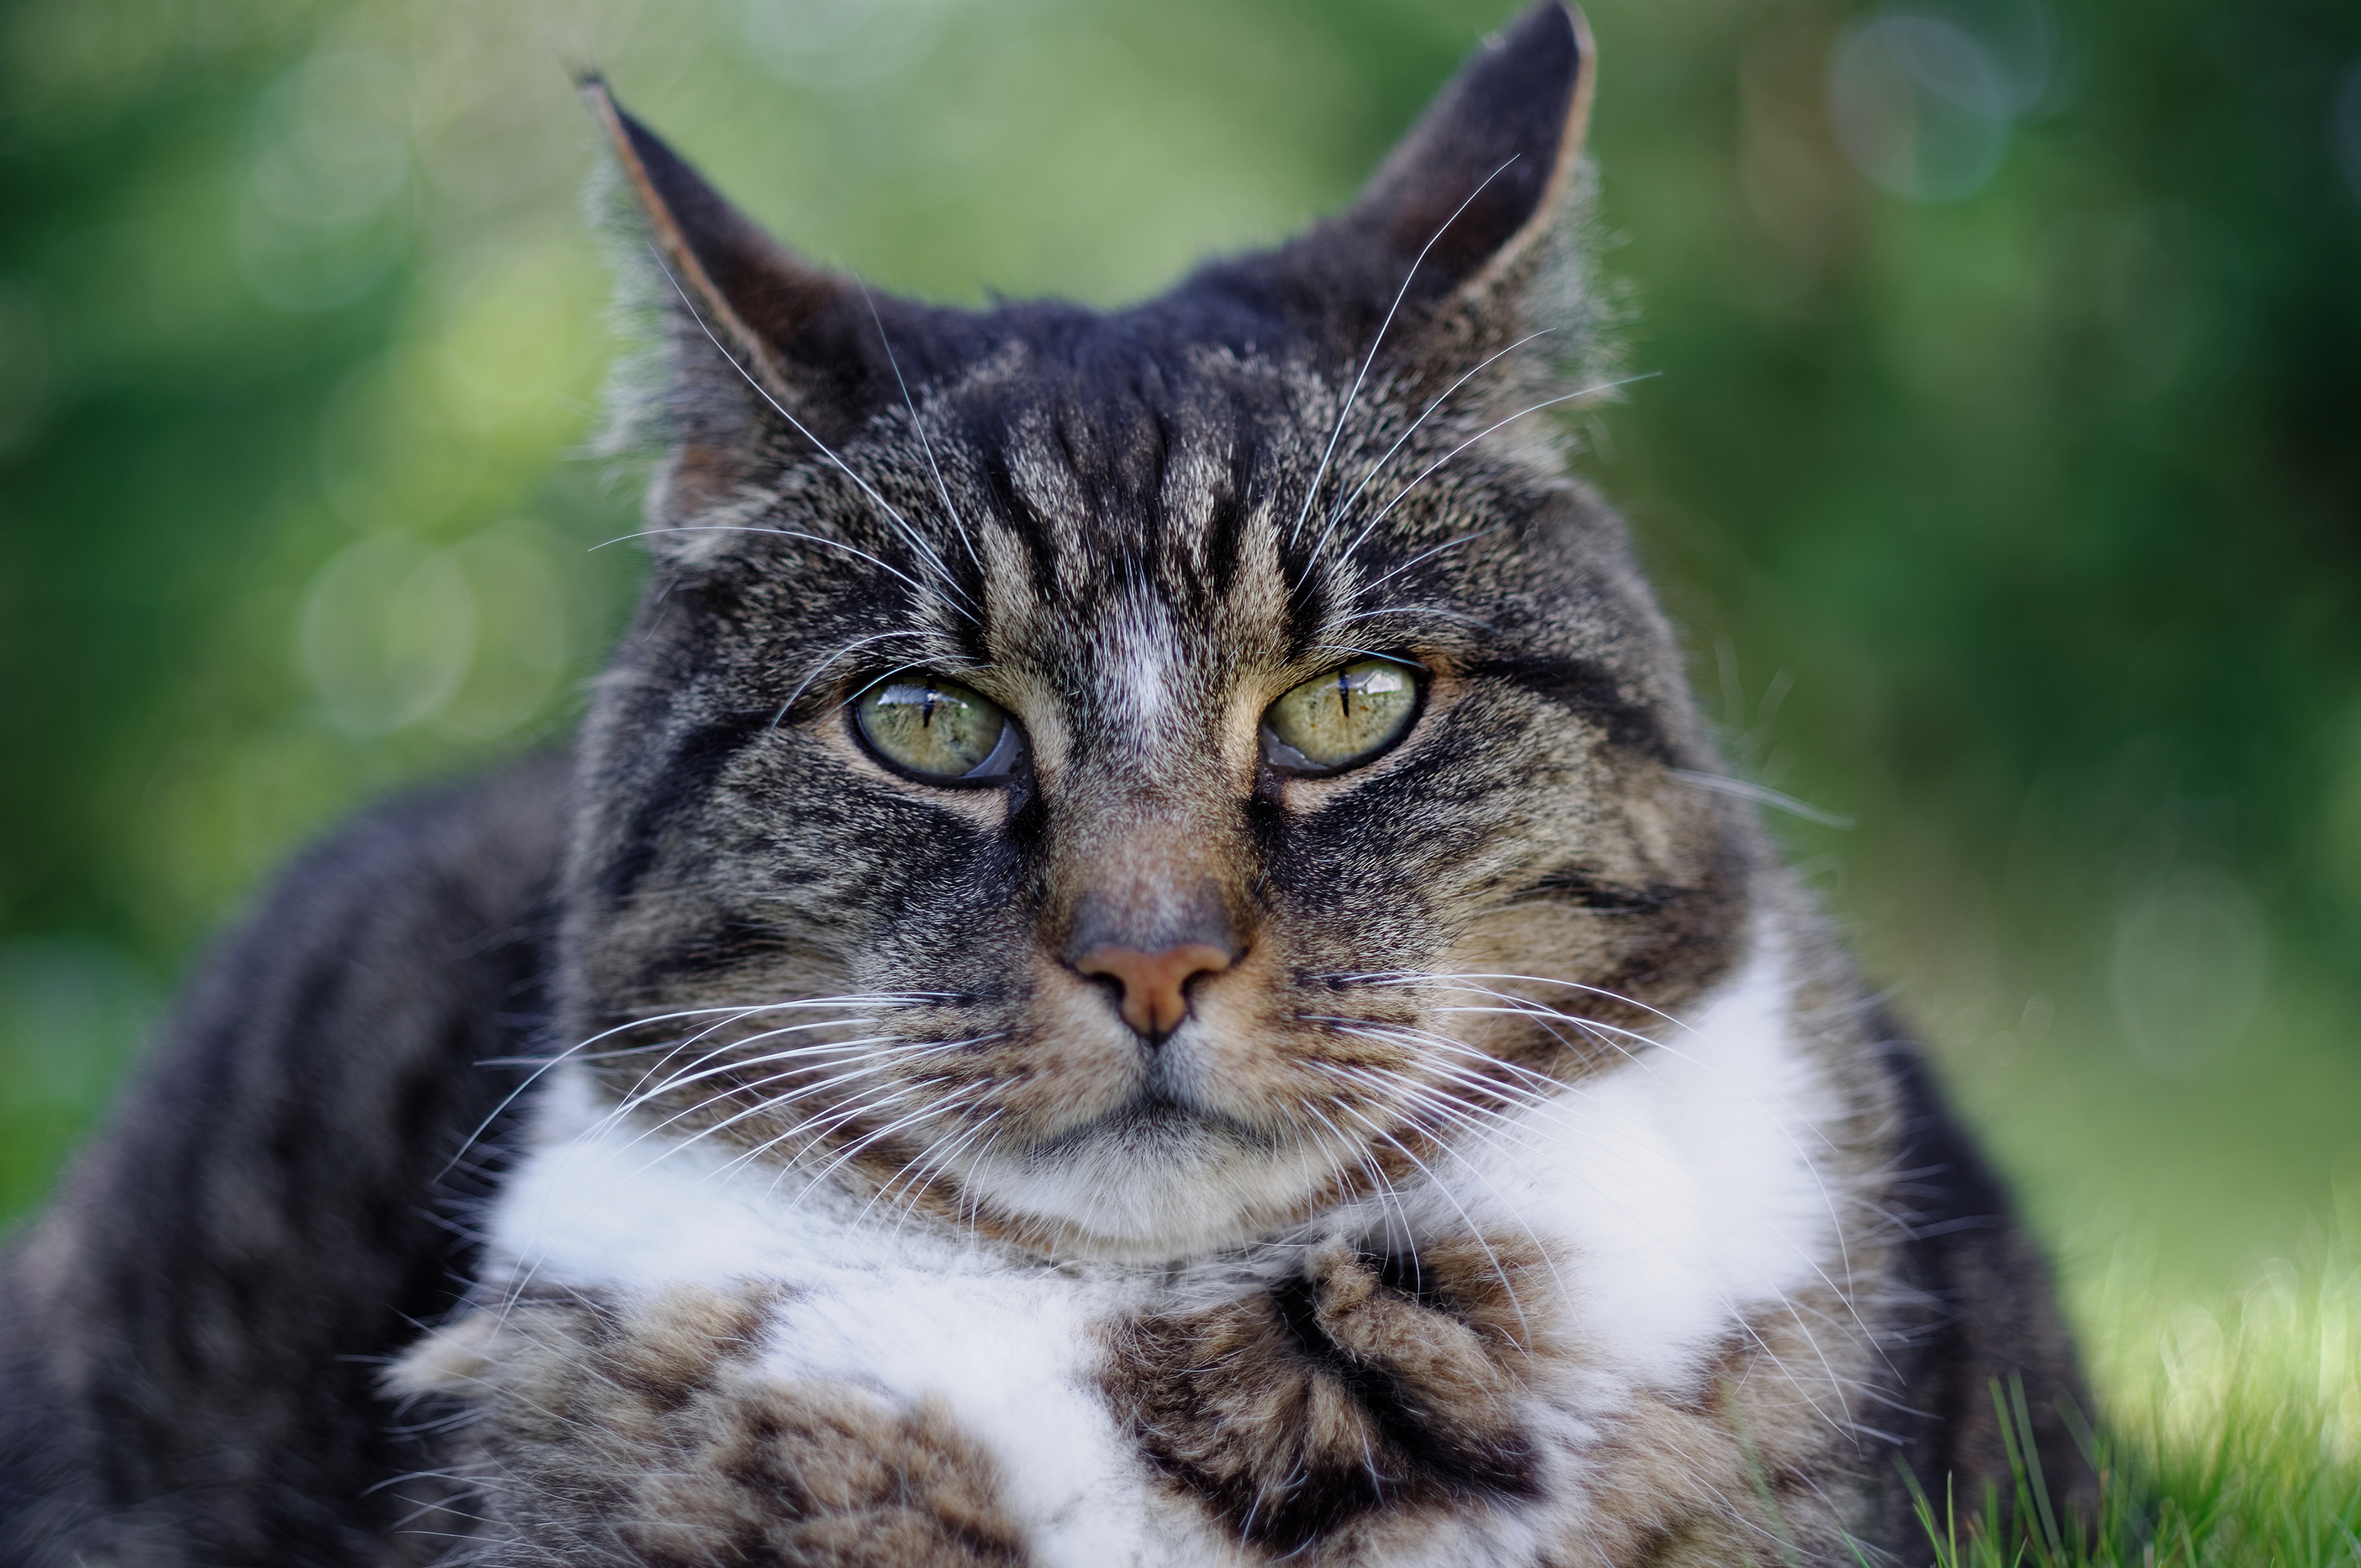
(1138, 960)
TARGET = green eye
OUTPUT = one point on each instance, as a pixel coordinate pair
(1344, 719)
(938, 730)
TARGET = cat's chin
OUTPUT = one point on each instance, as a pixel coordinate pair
(1153, 1182)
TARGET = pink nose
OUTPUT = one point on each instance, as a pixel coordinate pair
(1153, 983)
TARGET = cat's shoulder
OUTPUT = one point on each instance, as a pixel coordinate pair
(284, 1187)
(488, 844)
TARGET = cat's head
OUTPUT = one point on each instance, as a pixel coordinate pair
(1132, 780)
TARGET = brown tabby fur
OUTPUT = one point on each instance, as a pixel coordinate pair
(644, 1436)
(1134, 531)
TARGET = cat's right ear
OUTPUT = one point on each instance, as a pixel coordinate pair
(765, 347)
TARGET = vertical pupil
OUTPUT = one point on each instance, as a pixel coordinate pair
(927, 709)
(1344, 694)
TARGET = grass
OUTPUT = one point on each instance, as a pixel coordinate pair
(2233, 1440)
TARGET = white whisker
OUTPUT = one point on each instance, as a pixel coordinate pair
(1312, 493)
(1441, 398)
(916, 541)
(925, 445)
(1362, 538)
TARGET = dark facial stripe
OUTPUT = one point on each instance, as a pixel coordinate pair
(695, 763)
(1226, 533)
(1574, 886)
(1590, 690)
(1016, 514)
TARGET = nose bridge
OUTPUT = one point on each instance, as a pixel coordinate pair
(1153, 904)
(1153, 874)
(1151, 868)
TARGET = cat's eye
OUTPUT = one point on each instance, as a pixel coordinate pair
(1342, 719)
(939, 730)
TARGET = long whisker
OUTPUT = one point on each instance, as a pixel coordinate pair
(1475, 1232)
(1363, 537)
(925, 445)
(1597, 1032)
(1312, 493)
(1445, 976)
(916, 541)
(819, 1123)
(822, 668)
(1763, 795)
(874, 1062)
(915, 586)
(680, 1075)
(1601, 1031)
(921, 1173)
(1424, 1096)
(1545, 1087)
(1482, 1121)
(1515, 1095)
(1327, 1150)
(1409, 610)
(766, 1106)
(1425, 555)
(547, 1063)
(852, 1150)
(1381, 1187)
(826, 1121)
(1377, 467)
(663, 1062)
(1545, 1097)
(681, 1079)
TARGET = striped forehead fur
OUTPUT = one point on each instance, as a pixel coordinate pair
(1134, 531)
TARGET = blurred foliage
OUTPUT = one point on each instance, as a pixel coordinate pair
(2001, 467)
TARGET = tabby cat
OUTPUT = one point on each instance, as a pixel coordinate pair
(1139, 961)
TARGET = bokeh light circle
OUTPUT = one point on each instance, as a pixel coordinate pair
(1920, 107)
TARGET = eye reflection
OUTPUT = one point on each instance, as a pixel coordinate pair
(1342, 719)
(939, 730)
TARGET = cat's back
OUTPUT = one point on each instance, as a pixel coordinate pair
(189, 1338)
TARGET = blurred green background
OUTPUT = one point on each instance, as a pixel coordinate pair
(2002, 469)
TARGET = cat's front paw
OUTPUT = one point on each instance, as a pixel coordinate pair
(644, 1434)
(1347, 1402)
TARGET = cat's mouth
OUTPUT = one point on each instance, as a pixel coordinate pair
(1154, 1177)
(1156, 1122)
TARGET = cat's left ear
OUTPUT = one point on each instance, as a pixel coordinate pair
(1466, 200)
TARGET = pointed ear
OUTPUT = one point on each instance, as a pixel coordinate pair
(1459, 206)
(750, 289)
(1483, 171)
(764, 347)
(759, 298)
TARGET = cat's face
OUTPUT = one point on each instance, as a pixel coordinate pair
(1131, 781)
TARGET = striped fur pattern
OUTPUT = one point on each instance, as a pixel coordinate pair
(1526, 1181)
(1512, 1195)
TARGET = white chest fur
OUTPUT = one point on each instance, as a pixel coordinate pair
(1676, 1196)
